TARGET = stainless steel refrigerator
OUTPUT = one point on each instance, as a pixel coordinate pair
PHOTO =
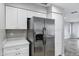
(43, 37)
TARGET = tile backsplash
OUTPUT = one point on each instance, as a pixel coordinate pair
(14, 33)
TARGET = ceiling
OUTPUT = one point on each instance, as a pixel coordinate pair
(68, 5)
(65, 6)
(71, 10)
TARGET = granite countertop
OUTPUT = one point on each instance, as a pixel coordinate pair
(15, 41)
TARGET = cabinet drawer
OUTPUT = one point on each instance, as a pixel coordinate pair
(10, 54)
(23, 52)
(16, 48)
(17, 54)
(20, 50)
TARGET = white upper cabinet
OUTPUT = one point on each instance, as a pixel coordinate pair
(11, 18)
(49, 16)
(22, 19)
(37, 14)
(30, 14)
(40, 15)
(17, 18)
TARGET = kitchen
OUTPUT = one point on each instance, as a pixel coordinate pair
(20, 24)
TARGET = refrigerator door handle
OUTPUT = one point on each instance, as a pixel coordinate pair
(44, 36)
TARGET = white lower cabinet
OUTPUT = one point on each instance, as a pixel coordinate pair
(18, 53)
(16, 48)
(13, 51)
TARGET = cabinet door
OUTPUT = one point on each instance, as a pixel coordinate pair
(11, 17)
(49, 16)
(30, 14)
(22, 19)
(37, 14)
(42, 15)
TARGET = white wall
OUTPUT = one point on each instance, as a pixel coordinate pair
(2, 25)
(55, 9)
(59, 34)
(59, 29)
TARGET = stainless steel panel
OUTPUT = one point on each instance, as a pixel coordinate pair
(38, 24)
(50, 32)
(50, 26)
(47, 28)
